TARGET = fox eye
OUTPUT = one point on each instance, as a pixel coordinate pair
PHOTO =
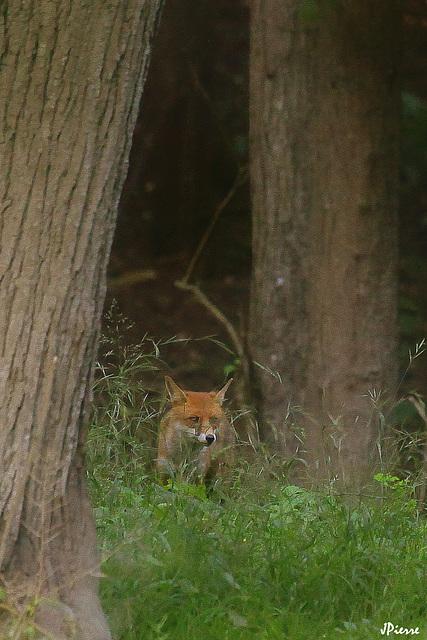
(213, 420)
(194, 418)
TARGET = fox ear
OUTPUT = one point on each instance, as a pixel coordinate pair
(221, 393)
(176, 394)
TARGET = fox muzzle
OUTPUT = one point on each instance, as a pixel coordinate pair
(207, 438)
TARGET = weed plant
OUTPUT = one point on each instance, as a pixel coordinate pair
(271, 562)
(123, 438)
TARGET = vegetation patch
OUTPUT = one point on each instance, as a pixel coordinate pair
(271, 560)
(276, 562)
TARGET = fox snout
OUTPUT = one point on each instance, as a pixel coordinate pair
(207, 438)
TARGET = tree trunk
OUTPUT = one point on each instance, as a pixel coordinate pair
(324, 148)
(70, 84)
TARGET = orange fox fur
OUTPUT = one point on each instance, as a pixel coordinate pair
(196, 437)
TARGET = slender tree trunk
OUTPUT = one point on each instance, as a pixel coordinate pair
(71, 77)
(324, 147)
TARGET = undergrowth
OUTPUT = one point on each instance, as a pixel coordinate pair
(279, 562)
(272, 561)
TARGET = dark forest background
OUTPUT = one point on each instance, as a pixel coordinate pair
(190, 145)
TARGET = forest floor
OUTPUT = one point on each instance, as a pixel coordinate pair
(158, 309)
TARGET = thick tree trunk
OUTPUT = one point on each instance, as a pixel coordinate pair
(324, 146)
(70, 84)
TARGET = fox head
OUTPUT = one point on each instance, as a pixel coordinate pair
(198, 413)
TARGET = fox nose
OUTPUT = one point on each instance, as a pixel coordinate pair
(209, 439)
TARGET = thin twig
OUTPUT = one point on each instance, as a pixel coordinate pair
(204, 300)
(241, 177)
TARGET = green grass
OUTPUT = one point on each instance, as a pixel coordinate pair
(271, 561)
(277, 563)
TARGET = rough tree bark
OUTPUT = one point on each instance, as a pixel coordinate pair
(324, 148)
(71, 77)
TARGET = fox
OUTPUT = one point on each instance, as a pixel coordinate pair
(195, 436)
